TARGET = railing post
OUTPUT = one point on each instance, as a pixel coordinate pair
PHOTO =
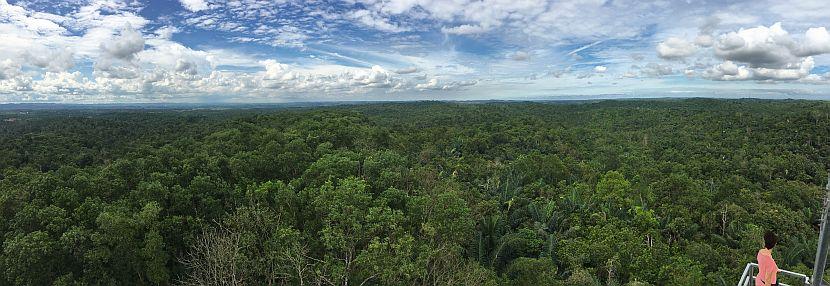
(743, 275)
(823, 242)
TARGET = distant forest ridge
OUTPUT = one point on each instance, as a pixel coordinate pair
(28, 106)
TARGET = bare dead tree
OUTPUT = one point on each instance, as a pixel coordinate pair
(213, 259)
(723, 220)
(298, 265)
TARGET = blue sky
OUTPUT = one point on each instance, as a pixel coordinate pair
(293, 50)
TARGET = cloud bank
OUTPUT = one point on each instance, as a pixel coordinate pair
(263, 50)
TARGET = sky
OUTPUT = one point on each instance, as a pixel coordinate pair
(110, 51)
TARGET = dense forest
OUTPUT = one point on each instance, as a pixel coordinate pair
(663, 192)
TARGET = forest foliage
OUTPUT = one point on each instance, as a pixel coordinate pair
(673, 192)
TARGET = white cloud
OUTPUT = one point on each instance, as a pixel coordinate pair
(543, 20)
(320, 53)
(124, 47)
(759, 53)
(704, 41)
(816, 79)
(105, 68)
(40, 23)
(376, 77)
(288, 36)
(53, 60)
(166, 32)
(465, 29)
(675, 48)
(33, 40)
(38, 54)
(656, 70)
(62, 82)
(9, 69)
(816, 42)
(107, 15)
(436, 84)
(791, 72)
(759, 47)
(374, 20)
(172, 56)
(275, 70)
(431, 84)
(728, 71)
(194, 5)
(335, 78)
(186, 67)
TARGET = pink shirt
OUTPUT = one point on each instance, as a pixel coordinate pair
(765, 265)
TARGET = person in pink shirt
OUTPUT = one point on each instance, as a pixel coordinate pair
(767, 269)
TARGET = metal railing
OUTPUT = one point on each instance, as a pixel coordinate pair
(748, 277)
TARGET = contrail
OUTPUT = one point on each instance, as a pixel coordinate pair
(585, 47)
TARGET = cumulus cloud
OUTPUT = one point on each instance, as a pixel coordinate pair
(816, 79)
(16, 84)
(761, 46)
(436, 84)
(789, 72)
(728, 70)
(376, 77)
(329, 78)
(124, 47)
(39, 55)
(758, 53)
(175, 57)
(194, 5)
(33, 22)
(770, 53)
(117, 59)
(33, 40)
(183, 79)
(63, 82)
(37, 45)
(704, 41)
(675, 48)
(54, 60)
(816, 42)
(41, 51)
(106, 68)
(9, 69)
(185, 67)
(276, 71)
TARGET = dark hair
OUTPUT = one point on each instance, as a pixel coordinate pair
(770, 240)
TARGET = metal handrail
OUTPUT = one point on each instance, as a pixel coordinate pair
(748, 277)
